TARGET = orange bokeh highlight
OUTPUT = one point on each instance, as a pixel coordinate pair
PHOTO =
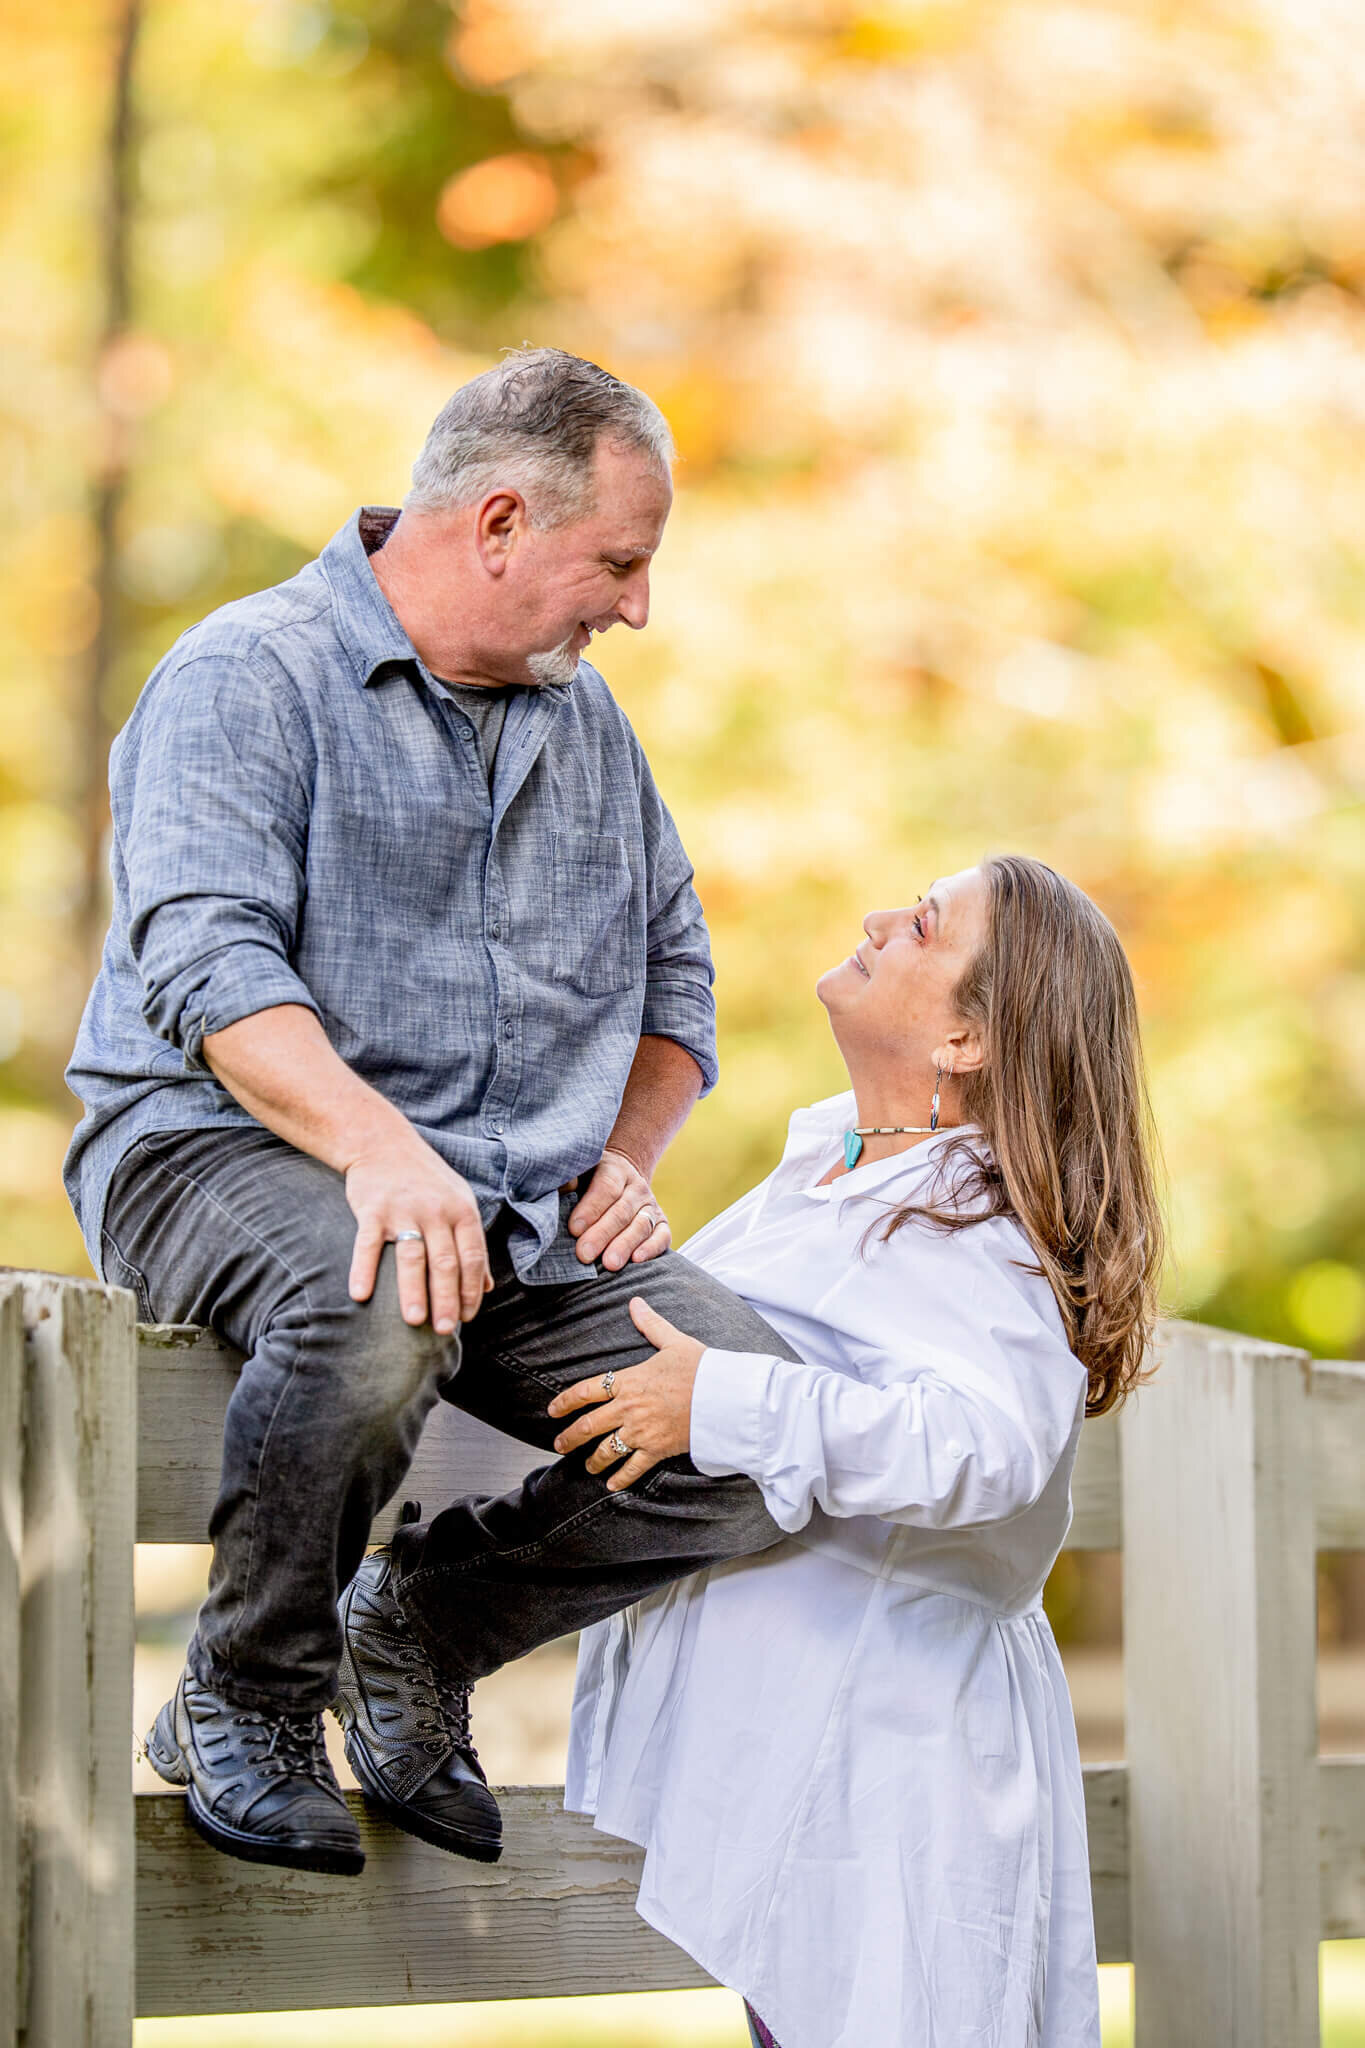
(135, 374)
(502, 199)
(486, 49)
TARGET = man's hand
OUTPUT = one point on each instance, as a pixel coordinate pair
(400, 1186)
(650, 1406)
(618, 1218)
(279, 1065)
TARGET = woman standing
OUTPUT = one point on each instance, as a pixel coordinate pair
(851, 1761)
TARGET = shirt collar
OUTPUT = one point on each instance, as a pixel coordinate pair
(366, 622)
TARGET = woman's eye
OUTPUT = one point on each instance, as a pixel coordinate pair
(918, 922)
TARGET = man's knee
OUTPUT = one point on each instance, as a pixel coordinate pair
(378, 1363)
(404, 1360)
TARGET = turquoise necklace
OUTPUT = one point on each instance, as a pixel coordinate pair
(853, 1140)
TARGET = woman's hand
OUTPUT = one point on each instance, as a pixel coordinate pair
(650, 1405)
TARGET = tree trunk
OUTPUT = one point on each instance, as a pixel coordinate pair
(108, 485)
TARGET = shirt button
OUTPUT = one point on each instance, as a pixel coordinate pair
(495, 931)
(466, 732)
(497, 1123)
(953, 1447)
(507, 1030)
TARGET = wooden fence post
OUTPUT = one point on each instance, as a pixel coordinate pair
(1219, 1660)
(75, 1664)
(11, 1480)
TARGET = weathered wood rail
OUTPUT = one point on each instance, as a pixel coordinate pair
(1221, 1851)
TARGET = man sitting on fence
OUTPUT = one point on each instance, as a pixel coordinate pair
(404, 943)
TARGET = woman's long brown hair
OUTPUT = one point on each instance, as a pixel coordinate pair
(1062, 1104)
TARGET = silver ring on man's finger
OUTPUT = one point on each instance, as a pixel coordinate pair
(608, 1382)
(406, 1236)
(614, 1443)
(652, 1217)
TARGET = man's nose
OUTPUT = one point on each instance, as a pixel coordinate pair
(633, 603)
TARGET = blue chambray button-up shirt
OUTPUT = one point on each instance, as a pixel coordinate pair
(302, 814)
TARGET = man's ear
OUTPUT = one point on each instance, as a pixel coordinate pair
(499, 521)
(961, 1053)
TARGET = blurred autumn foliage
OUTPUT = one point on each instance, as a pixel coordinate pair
(1014, 352)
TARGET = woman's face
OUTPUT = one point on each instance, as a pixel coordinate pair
(893, 995)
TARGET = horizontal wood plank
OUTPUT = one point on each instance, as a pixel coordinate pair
(1339, 1454)
(555, 1918)
(216, 1935)
(186, 1378)
(185, 1381)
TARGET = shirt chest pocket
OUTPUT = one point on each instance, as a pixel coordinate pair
(415, 864)
(595, 942)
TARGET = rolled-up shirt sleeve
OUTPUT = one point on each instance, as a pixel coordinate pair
(915, 1432)
(679, 1003)
(921, 1451)
(215, 847)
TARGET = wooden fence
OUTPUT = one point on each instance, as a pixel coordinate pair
(1221, 1851)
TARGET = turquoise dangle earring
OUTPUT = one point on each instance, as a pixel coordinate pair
(853, 1140)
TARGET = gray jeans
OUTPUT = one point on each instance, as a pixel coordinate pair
(236, 1230)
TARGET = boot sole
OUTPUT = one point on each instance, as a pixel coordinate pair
(284, 1855)
(167, 1760)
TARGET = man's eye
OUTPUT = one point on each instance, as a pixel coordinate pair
(620, 567)
(918, 922)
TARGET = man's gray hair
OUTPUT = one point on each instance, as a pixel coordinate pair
(534, 422)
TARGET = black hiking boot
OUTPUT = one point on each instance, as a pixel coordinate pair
(407, 1726)
(259, 1785)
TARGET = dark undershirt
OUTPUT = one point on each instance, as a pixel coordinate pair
(486, 710)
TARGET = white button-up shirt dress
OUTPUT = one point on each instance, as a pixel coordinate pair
(851, 1761)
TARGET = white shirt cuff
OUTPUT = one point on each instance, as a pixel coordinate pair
(728, 1396)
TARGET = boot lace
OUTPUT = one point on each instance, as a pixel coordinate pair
(441, 1705)
(285, 1747)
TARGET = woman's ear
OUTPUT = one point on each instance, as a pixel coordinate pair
(961, 1053)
